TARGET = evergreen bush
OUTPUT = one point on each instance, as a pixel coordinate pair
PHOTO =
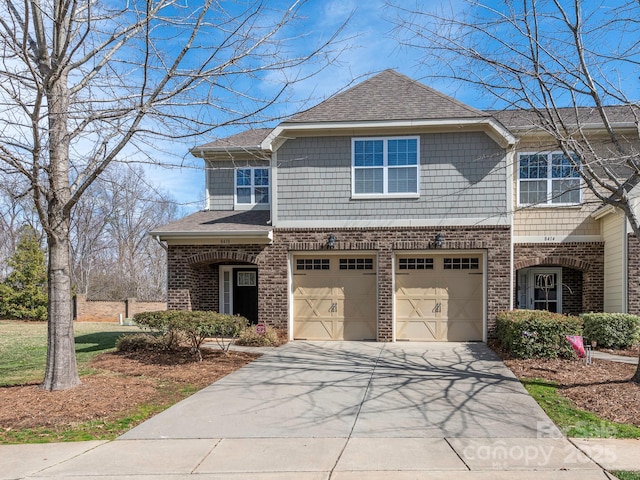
(23, 294)
(249, 337)
(194, 326)
(536, 333)
(612, 330)
(138, 342)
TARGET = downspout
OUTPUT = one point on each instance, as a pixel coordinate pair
(166, 249)
(625, 270)
(511, 159)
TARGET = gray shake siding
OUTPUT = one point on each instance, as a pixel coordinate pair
(221, 183)
(462, 175)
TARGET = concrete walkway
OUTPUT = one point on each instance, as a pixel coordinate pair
(614, 358)
(340, 411)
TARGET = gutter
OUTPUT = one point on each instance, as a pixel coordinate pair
(603, 212)
(157, 239)
(226, 237)
(500, 134)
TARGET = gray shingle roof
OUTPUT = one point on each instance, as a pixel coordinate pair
(216, 221)
(248, 140)
(387, 96)
(522, 119)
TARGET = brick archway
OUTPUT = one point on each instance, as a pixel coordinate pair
(569, 262)
(214, 256)
(586, 258)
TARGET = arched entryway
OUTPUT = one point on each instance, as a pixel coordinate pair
(554, 283)
(227, 282)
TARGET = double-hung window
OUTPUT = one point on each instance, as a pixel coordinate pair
(385, 166)
(548, 178)
(252, 186)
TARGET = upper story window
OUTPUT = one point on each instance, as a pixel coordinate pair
(252, 186)
(548, 179)
(385, 166)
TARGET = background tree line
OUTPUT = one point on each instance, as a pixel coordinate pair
(112, 256)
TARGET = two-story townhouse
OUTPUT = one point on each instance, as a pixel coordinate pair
(388, 212)
(571, 253)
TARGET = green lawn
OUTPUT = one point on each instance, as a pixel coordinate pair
(627, 475)
(572, 421)
(23, 348)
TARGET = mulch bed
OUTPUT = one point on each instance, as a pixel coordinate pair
(122, 382)
(603, 387)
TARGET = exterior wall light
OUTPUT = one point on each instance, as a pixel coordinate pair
(331, 242)
(439, 240)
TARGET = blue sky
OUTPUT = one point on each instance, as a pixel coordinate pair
(372, 48)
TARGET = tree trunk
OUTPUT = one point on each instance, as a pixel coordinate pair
(62, 371)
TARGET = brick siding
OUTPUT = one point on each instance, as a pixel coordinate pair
(193, 276)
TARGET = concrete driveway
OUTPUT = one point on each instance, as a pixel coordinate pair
(347, 410)
(343, 389)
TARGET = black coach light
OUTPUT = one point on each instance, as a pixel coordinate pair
(439, 240)
(331, 242)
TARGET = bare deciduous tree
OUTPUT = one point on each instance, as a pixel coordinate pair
(562, 63)
(113, 257)
(84, 83)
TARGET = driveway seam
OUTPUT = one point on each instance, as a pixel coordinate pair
(446, 439)
(355, 421)
(206, 455)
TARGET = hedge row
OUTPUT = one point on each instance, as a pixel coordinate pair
(541, 334)
(536, 333)
(195, 326)
(612, 330)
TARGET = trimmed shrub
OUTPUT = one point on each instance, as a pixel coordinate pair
(536, 333)
(249, 337)
(162, 324)
(194, 326)
(139, 342)
(612, 330)
(224, 327)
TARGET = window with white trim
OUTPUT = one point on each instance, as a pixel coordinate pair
(252, 186)
(385, 166)
(548, 178)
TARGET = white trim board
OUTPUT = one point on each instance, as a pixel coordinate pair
(557, 239)
(376, 223)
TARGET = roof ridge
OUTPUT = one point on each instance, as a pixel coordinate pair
(437, 92)
(388, 95)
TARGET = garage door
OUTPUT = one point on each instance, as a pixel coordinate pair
(334, 298)
(439, 297)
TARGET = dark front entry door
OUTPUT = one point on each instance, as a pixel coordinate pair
(245, 293)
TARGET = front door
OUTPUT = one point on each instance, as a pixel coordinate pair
(540, 289)
(245, 293)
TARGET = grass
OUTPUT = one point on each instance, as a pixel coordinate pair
(23, 348)
(627, 475)
(94, 430)
(572, 421)
(99, 429)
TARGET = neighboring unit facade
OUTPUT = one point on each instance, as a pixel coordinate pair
(391, 212)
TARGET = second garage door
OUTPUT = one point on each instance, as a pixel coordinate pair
(334, 298)
(439, 297)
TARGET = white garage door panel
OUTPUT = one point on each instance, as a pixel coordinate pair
(439, 304)
(334, 304)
